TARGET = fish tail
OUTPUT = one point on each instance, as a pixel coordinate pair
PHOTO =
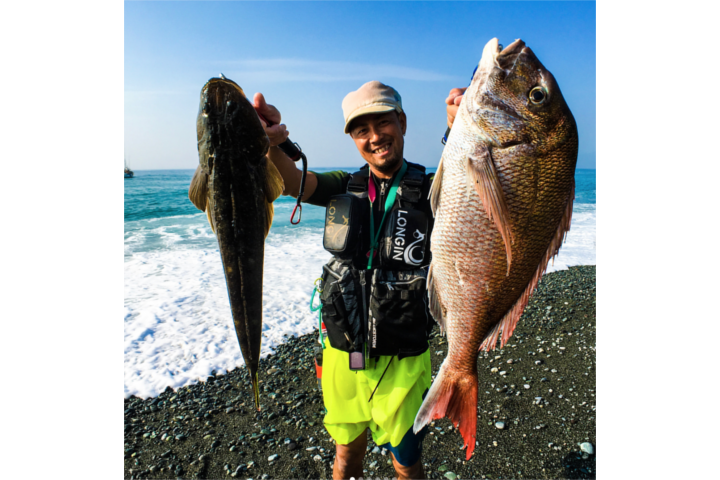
(453, 394)
(256, 390)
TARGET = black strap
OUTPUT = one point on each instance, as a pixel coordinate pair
(409, 190)
(381, 377)
(358, 184)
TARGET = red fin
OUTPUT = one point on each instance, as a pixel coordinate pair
(435, 305)
(511, 318)
(483, 176)
(491, 338)
(453, 394)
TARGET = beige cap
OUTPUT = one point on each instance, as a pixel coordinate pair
(373, 97)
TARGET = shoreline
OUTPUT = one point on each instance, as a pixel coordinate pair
(545, 403)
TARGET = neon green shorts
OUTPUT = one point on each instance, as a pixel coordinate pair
(392, 410)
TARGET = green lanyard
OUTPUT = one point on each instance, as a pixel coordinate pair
(388, 205)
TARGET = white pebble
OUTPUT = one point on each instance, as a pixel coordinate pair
(587, 448)
(526, 386)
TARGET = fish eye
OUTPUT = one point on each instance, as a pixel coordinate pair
(537, 95)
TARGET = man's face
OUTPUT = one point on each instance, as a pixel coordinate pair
(379, 139)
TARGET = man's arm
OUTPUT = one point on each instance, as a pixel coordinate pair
(290, 174)
(277, 134)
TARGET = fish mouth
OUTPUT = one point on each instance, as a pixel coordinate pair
(507, 58)
(218, 93)
(217, 84)
(494, 56)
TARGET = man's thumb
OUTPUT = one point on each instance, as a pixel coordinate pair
(259, 101)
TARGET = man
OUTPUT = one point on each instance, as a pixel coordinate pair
(386, 321)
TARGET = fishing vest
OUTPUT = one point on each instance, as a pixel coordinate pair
(382, 310)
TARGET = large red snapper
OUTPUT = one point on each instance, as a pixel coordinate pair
(502, 198)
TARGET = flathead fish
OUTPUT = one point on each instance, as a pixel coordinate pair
(235, 184)
(502, 198)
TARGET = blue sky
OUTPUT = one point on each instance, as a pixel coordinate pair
(306, 56)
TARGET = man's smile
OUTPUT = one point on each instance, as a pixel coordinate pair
(383, 149)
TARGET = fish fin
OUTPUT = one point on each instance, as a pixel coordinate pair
(198, 191)
(274, 184)
(256, 390)
(435, 306)
(491, 337)
(510, 320)
(453, 394)
(481, 172)
(269, 214)
(208, 212)
(434, 194)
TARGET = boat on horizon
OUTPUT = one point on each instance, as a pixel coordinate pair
(128, 173)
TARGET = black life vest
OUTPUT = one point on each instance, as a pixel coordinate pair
(383, 310)
(404, 242)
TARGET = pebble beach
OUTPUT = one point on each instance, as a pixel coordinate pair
(536, 409)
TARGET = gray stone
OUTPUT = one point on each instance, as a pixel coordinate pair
(317, 458)
(375, 450)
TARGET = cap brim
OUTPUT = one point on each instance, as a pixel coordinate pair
(382, 108)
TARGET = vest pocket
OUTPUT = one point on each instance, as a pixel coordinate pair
(341, 312)
(399, 315)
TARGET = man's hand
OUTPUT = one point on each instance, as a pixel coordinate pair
(278, 133)
(453, 102)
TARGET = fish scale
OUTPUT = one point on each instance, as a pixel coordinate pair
(502, 199)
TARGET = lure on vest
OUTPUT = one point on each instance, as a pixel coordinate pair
(381, 309)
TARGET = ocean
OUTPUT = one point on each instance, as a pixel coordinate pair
(178, 328)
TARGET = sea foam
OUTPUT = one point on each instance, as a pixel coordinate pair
(178, 326)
